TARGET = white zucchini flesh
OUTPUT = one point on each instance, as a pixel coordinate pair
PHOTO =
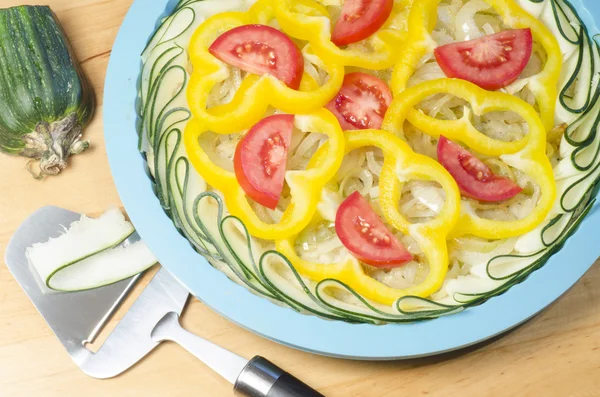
(104, 268)
(86, 255)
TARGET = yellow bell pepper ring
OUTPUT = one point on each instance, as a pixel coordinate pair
(544, 85)
(421, 22)
(310, 21)
(305, 186)
(527, 155)
(256, 92)
(400, 164)
(461, 130)
(541, 173)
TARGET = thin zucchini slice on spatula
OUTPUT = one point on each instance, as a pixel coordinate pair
(90, 254)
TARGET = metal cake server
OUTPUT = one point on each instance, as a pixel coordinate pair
(77, 318)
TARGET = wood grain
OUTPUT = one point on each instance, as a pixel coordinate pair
(555, 354)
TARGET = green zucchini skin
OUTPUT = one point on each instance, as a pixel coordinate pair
(45, 100)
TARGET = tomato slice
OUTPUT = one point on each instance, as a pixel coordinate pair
(360, 19)
(261, 49)
(261, 156)
(361, 103)
(492, 62)
(475, 179)
(366, 237)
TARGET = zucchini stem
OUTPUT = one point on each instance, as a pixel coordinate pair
(53, 143)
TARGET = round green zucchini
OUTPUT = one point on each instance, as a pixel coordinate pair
(45, 100)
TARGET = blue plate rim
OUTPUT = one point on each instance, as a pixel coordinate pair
(281, 324)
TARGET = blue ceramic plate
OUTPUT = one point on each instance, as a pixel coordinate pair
(309, 333)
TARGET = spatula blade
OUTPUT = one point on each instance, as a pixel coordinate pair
(77, 317)
(132, 339)
(73, 317)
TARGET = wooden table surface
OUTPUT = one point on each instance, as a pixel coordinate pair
(555, 354)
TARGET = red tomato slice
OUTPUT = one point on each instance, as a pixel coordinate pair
(261, 156)
(360, 19)
(261, 49)
(475, 179)
(366, 237)
(492, 62)
(361, 103)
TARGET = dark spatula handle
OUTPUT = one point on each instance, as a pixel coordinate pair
(262, 378)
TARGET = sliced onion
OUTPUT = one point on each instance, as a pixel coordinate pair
(466, 28)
